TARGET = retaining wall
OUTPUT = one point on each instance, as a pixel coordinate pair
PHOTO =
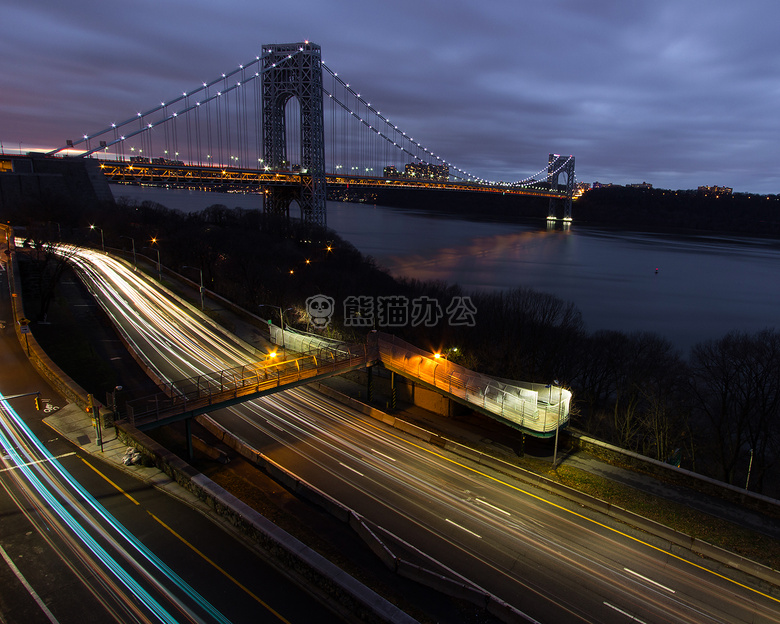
(349, 597)
(450, 584)
(61, 382)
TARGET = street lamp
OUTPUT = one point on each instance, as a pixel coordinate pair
(557, 422)
(102, 243)
(135, 264)
(202, 305)
(159, 269)
(281, 316)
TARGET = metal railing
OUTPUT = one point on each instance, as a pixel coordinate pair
(196, 394)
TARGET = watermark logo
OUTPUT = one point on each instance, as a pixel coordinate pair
(392, 311)
(320, 309)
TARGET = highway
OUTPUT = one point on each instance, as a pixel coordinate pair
(82, 541)
(123, 575)
(551, 560)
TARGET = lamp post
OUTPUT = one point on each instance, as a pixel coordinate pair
(159, 269)
(557, 422)
(281, 316)
(437, 357)
(202, 305)
(102, 242)
(135, 264)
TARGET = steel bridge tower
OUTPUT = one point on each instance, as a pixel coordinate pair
(557, 165)
(295, 70)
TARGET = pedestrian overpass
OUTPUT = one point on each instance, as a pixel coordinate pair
(536, 409)
(180, 400)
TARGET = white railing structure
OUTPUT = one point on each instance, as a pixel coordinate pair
(304, 342)
(538, 408)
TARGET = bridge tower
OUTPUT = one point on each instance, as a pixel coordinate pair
(295, 70)
(557, 165)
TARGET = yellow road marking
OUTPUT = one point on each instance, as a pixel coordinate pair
(222, 570)
(574, 513)
(194, 549)
(121, 491)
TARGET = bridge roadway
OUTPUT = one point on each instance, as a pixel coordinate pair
(197, 176)
(553, 560)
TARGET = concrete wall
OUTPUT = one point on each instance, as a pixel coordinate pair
(61, 382)
(407, 391)
(433, 575)
(350, 598)
(36, 178)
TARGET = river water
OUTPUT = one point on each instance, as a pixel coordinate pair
(685, 288)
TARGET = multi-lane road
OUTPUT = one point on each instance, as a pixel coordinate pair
(81, 541)
(549, 559)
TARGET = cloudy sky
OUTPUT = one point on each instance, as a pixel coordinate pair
(678, 93)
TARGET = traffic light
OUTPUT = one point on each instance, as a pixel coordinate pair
(37, 403)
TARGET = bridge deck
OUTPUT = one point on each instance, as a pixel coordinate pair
(205, 393)
(174, 174)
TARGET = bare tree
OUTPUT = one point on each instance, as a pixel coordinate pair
(736, 385)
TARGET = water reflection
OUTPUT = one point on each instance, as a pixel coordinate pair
(704, 286)
(686, 288)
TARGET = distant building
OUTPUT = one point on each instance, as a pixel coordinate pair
(644, 185)
(425, 171)
(714, 191)
(392, 172)
(581, 188)
(601, 185)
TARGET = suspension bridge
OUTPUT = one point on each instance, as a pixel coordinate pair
(287, 126)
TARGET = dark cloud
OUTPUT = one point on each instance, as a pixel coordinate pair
(675, 93)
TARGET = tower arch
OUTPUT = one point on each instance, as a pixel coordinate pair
(294, 70)
(557, 165)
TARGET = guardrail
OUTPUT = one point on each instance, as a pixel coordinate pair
(203, 393)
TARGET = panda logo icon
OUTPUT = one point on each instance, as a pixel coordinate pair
(320, 310)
